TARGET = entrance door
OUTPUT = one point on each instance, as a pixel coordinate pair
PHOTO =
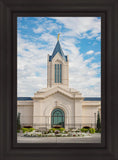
(57, 118)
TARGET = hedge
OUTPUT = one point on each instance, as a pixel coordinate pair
(27, 129)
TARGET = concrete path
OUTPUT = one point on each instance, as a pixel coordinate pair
(95, 138)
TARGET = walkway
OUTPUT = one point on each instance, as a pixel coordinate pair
(95, 138)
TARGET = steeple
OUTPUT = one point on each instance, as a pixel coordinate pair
(58, 37)
(58, 49)
(58, 68)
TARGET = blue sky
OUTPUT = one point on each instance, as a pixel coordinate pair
(80, 38)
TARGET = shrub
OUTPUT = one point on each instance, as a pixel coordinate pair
(92, 130)
(18, 131)
(27, 129)
(30, 129)
(98, 131)
(39, 135)
(52, 130)
(84, 130)
(24, 129)
(98, 122)
(18, 121)
(61, 129)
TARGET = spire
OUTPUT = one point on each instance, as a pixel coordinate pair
(58, 36)
(58, 49)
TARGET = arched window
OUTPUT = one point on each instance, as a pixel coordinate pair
(57, 118)
(58, 73)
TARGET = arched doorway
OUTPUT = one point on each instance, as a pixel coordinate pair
(57, 118)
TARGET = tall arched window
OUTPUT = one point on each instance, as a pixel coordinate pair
(57, 117)
(58, 73)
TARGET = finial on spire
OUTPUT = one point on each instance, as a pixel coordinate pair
(58, 37)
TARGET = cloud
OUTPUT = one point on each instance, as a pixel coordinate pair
(98, 38)
(48, 38)
(95, 65)
(32, 55)
(90, 52)
(38, 30)
(97, 53)
(47, 26)
(81, 27)
(30, 60)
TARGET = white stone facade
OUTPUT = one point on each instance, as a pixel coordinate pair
(84, 115)
(58, 59)
(37, 111)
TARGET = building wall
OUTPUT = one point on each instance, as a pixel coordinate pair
(89, 112)
(26, 110)
(77, 112)
(44, 107)
(51, 71)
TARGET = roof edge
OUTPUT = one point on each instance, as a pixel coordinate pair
(85, 99)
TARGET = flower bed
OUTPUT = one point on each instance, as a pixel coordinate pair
(57, 133)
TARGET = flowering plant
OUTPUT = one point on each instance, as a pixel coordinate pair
(50, 135)
(57, 132)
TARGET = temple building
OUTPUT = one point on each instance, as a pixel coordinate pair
(58, 105)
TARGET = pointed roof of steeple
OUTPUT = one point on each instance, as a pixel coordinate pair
(58, 49)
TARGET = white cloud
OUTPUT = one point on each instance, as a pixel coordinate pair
(97, 53)
(47, 26)
(98, 38)
(95, 65)
(29, 63)
(32, 59)
(48, 38)
(81, 27)
(90, 52)
(38, 30)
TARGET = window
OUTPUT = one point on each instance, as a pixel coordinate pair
(57, 117)
(58, 73)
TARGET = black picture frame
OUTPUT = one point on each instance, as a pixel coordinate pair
(9, 10)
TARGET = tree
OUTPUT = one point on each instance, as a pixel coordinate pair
(18, 121)
(98, 122)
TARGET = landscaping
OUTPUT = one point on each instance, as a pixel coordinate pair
(58, 132)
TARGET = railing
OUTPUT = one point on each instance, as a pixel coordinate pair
(69, 122)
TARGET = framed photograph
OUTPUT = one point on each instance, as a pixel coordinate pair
(67, 106)
(58, 79)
